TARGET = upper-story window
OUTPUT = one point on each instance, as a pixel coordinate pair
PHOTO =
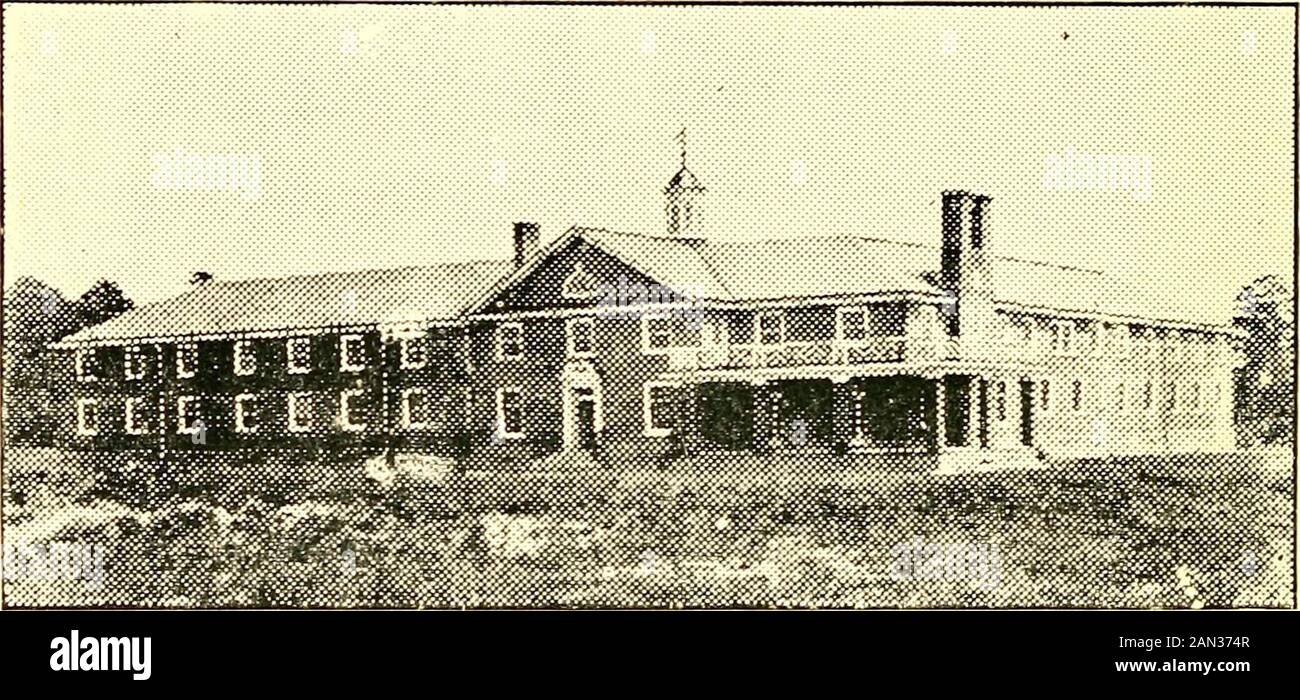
(85, 360)
(187, 360)
(87, 415)
(659, 334)
(853, 324)
(415, 352)
(133, 363)
(510, 341)
(245, 359)
(352, 353)
(579, 334)
(1063, 338)
(769, 327)
(580, 284)
(298, 355)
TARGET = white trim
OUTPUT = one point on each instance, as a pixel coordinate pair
(345, 410)
(129, 417)
(85, 427)
(132, 357)
(290, 365)
(347, 363)
(405, 344)
(407, 393)
(243, 350)
(293, 416)
(183, 350)
(501, 412)
(183, 403)
(241, 413)
(570, 350)
(79, 363)
(758, 327)
(499, 342)
(647, 413)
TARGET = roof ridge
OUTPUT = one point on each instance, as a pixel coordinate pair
(334, 273)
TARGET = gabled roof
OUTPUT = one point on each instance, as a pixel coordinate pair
(846, 266)
(340, 299)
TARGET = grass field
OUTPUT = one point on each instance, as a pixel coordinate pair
(1132, 533)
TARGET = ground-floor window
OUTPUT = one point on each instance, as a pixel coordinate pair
(510, 412)
(87, 414)
(351, 410)
(134, 420)
(658, 409)
(415, 408)
(245, 413)
(188, 421)
(300, 410)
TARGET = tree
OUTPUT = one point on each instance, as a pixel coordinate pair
(35, 314)
(36, 383)
(102, 302)
(1265, 385)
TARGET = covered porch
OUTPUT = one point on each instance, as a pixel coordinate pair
(884, 413)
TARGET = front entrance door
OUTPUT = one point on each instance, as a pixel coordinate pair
(584, 419)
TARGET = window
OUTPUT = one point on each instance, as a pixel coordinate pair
(1002, 401)
(579, 332)
(134, 418)
(510, 341)
(1063, 338)
(657, 409)
(580, 284)
(769, 328)
(245, 359)
(300, 410)
(298, 355)
(245, 413)
(351, 412)
(510, 412)
(853, 324)
(656, 334)
(87, 415)
(1045, 395)
(415, 408)
(188, 421)
(187, 360)
(415, 352)
(85, 364)
(133, 363)
(352, 353)
(1076, 395)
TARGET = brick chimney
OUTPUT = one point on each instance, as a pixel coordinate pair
(964, 272)
(526, 238)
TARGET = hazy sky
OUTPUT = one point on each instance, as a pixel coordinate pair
(362, 136)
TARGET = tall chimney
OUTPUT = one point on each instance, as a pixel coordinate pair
(964, 273)
(526, 236)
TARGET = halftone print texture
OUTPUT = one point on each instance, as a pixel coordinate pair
(648, 306)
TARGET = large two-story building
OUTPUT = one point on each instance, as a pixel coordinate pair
(638, 344)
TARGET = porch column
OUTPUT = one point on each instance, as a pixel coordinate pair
(842, 418)
(764, 415)
(938, 417)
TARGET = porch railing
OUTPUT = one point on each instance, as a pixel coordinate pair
(807, 353)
